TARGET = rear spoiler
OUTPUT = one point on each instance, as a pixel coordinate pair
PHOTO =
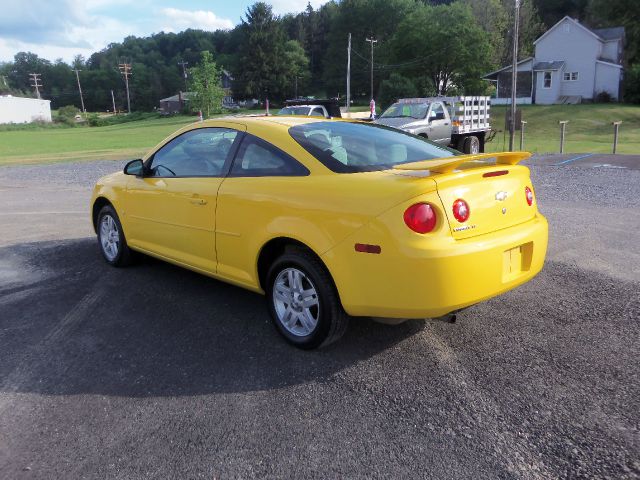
(449, 164)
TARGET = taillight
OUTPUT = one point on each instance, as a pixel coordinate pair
(528, 193)
(461, 210)
(420, 218)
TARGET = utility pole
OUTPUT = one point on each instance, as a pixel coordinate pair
(349, 73)
(113, 100)
(4, 81)
(184, 72)
(35, 82)
(125, 70)
(514, 76)
(80, 89)
(296, 92)
(372, 41)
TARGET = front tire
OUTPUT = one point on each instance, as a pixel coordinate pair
(303, 301)
(111, 239)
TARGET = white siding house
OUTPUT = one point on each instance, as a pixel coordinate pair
(571, 63)
(24, 110)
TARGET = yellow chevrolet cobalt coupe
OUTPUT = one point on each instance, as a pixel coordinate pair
(329, 219)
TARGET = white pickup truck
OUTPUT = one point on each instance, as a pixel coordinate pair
(458, 122)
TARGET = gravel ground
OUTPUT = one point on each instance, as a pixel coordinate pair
(157, 372)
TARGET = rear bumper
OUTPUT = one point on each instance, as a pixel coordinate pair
(421, 281)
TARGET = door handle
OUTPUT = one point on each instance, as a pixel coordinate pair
(198, 201)
(447, 123)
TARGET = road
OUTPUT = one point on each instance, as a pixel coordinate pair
(157, 372)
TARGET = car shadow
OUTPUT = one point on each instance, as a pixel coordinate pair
(71, 324)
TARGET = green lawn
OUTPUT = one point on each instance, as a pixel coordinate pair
(589, 130)
(126, 140)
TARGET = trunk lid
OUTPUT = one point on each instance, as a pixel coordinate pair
(495, 202)
(495, 193)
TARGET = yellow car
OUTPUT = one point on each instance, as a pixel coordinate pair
(330, 219)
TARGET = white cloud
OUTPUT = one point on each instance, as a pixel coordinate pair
(281, 7)
(179, 20)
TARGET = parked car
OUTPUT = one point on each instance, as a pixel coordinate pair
(305, 110)
(458, 122)
(313, 107)
(329, 219)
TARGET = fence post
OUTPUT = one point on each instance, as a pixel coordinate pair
(616, 126)
(522, 124)
(563, 124)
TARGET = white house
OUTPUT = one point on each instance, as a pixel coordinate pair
(24, 110)
(571, 63)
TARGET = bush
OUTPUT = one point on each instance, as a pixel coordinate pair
(632, 84)
(603, 97)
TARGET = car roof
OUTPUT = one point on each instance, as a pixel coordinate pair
(275, 120)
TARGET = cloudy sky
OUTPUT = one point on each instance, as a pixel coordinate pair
(64, 28)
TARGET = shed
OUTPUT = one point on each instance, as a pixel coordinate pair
(24, 110)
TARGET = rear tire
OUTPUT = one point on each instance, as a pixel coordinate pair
(303, 300)
(471, 145)
(111, 239)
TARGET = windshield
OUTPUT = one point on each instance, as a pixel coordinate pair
(294, 111)
(411, 110)
(360, 147)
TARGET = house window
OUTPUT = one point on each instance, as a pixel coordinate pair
(570, 76)
(546, 80)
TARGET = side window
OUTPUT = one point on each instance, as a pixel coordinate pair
(317, 112)
(437, 112)
(196, 153)
(257, 158)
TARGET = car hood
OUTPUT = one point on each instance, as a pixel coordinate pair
(399, 122)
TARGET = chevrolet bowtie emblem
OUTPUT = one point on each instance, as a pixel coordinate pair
(501, 196)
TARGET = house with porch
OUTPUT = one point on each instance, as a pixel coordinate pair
(571, 63)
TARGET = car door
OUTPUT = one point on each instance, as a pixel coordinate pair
(439, 124)
(171, 209)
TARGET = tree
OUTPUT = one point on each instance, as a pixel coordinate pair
(261, 55)
(619, 13)
(445, 44)
(395, 87)
(361, 18)
(297, 65)
(205, 83)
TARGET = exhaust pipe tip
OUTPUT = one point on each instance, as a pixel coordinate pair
(448, 318)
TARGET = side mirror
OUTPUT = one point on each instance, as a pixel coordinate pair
(134, 167)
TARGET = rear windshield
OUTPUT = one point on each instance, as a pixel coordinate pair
(361, 147)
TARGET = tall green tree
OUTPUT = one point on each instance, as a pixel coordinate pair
(362, 18)
(261, 55)
(297, 67)
(445, 44)
(205, 83)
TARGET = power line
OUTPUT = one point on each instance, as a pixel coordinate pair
(35, 82)
(125, 70)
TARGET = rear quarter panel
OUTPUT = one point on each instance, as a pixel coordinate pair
(319, 210)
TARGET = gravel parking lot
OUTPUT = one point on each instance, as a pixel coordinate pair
(157, 372)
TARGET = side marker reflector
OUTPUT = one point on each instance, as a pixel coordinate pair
(496, 173)
(366, 248)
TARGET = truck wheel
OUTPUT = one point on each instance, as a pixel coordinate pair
(471, 145)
